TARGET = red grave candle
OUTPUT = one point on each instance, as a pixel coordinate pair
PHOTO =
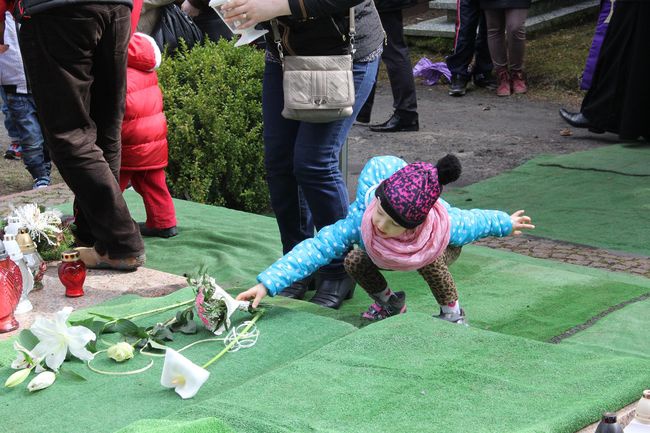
(11, 287)
(72, 273)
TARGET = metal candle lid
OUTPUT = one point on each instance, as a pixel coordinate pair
(25, 241)
(70, 256)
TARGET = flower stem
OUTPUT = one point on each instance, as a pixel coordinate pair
(157, 310)
(232, 343)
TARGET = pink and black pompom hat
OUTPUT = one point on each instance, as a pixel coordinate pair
(408, 195)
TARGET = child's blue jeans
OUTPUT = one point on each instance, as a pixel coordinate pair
(23, 116)
(10, 126)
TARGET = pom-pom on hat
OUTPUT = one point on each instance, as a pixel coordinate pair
(408, 195)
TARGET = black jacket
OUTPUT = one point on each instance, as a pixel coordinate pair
(505, 4)
(25, 8)
(393, 5)
(320, 27)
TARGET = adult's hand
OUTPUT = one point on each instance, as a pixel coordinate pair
(3, 48)
(189, 9)
(251, 12)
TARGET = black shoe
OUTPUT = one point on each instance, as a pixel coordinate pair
(578, 120)
(397, 123)
(485, 80)
(298, 289)
(458, 85)
(332, 289)
(159, 233)
(363, 118)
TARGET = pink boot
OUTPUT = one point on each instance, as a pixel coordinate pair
(518, 82)
(503, 82)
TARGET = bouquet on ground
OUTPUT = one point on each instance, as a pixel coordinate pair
(48, 228)
(49, 342)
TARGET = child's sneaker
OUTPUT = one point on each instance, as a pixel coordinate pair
(14, 151)
(41, 182)
(379, 311)
(453, 317)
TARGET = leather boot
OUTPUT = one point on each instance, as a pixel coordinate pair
(332, 288)
(503, 82)
(298, 289)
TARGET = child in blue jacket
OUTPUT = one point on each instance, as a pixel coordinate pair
(398, 223)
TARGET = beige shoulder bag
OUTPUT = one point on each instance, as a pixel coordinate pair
(317, 89)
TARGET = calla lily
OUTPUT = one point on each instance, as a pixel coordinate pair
(56, 338)
(41, 381)
(182, 374)
(17, 378)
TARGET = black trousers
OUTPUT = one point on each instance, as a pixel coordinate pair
(398, 65)
(469, 42)
(617, 100)
(75, 58)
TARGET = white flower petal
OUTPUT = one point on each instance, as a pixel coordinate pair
(81, 352)
(41, 381)
(182, 374)
(81, 334)
(56, 358)
(62, 315)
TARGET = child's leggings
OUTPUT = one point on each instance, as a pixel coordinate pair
(362, 269)
(151, 185)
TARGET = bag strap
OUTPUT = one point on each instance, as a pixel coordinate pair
(278, 41)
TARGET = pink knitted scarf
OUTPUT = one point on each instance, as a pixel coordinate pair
(413, 249)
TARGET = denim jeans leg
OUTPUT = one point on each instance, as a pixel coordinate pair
(302, 160)
(317, 159)
(31, 140)
(10, 125)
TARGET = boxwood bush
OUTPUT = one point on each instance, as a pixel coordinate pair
(212, 97)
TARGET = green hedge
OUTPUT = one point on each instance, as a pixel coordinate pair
(213, 104)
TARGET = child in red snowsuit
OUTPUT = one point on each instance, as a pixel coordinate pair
(144, 138)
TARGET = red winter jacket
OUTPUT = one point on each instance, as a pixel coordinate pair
(144, 131)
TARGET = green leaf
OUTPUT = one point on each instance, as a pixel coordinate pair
(103, 316)
(157, 346)
(71, 375)
(27, 339)
(127, 328)
(161, 333)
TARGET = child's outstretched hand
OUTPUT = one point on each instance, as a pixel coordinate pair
(520, 222)
(256, 293)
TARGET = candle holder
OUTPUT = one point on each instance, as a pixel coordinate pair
(11, 286)
(72, 273)
(13, 250)
(245, 36)
(32, 258)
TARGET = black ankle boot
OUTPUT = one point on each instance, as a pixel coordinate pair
(298, 289)
(332, 289)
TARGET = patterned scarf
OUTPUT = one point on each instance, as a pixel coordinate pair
(413, 249)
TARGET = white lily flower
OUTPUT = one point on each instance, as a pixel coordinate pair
(56, 338)
(41, 381)
(24, 358)
(17, 378)
(182, 374)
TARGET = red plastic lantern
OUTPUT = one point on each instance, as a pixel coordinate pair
(11, 287)
(72, 273)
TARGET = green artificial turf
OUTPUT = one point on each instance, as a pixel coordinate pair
(599, 197)
(411, 374)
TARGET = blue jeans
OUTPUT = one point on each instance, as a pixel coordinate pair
(23, 114)
(302, 161)
(10, 126)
